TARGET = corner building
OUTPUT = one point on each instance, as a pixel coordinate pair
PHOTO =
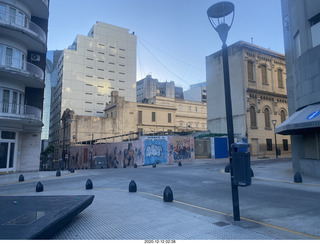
(23, 47)
(301, 28)
(258, 94)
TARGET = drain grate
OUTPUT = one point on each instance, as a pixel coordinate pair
(221, 223)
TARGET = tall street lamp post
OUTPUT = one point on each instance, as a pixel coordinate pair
(274, 122)
(219, 14)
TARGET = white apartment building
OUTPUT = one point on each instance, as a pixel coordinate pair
(197, 92)
(89, 70)
(23, 46)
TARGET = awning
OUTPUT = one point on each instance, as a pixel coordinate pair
(302, 120)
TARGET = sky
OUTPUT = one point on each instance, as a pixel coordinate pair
(173, 36)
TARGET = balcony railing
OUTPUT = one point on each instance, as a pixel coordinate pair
(23, 23)
(23, 66)
(18, 110)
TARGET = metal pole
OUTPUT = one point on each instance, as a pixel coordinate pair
(275, 140)
(63, 143)
(234, 188)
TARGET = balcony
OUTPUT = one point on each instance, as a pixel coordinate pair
(24, 113)
(18, 69)
(21, 28)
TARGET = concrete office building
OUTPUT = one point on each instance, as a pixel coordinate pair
(88, 71)
(149, 87)
(197, 92)
(301, 28)
(258, 94)
(23, 47)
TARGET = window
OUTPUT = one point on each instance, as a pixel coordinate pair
(153, 116)
(5, 101)
(14, 102)
(283, 116)
(3, 11)
(264, 74)
(297, 46)
(269, 144)
(315, 30)
(253, 118)
(139, 117)
(267, 118)
(285, 145)
(12, 16)
(250, 70)
(169, 117)
(280, 78)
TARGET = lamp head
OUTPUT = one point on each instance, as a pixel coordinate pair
(274, 122)
(219, 14)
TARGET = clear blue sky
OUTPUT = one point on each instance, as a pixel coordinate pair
(174, 36)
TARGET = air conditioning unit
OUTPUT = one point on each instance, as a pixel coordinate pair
(35, 57)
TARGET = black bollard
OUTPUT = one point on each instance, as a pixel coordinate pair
(154, 165)
(39, 187)
(58, 173)
(227, 169)
(135, 165)
(124, 166)
(89, 185)
(180, 164)
(297, 178)
(167, 194)
(21, 178)
(132, 186)
(72, 170)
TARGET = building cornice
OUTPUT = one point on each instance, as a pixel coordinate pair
(260, 92)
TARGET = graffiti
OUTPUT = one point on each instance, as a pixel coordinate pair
(153, 150)
(182, 149)
(128, 156)
(145, 151)
(156, 149)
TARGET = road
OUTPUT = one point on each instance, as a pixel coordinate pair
(275, 207)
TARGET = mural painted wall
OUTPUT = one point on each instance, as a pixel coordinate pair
(145, 151)
(155, 149)
(181, 148)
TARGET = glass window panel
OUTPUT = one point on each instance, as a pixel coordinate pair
(253, 116)
(20, 18)
(12, 15)
(264, 74)
(267, 118)
(8, 135)
(17, 59)
(11, 157)
(9, 53)
(250, 70)
(5, 101)
(3, 155)
(280, 78)
(14, 102)
(3, 11)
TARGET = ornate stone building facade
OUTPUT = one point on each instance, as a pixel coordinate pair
(258, 93)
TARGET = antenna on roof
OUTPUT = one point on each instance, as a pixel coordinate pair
(251, 40)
